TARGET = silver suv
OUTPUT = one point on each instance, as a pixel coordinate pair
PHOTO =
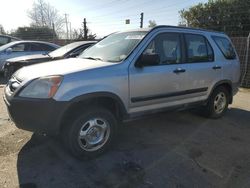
(124, 76)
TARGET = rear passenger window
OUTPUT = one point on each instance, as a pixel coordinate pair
(35, 47)
(225, 46)
(46, 47)
(4, 40)
(167, 46)
(198, 49)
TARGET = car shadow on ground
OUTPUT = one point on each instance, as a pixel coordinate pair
(148, 153)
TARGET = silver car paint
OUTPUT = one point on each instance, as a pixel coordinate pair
(83, 76)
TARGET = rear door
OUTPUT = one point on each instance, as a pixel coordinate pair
(161, 85)
(202, 70)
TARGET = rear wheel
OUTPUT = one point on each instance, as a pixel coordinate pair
(90, 133)
(218, 103)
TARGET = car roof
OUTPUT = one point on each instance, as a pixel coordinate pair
(32, 41)
(8, 36)
(26, 41)
(83, 42)
(172, 27)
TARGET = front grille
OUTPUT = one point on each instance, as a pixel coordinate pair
(13, 84)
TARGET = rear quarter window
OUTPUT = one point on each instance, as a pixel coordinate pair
(225, 47)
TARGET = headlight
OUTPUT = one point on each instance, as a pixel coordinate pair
(43, 88)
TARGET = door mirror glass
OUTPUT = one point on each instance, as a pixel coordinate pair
(73, 54)
(148, 60)
(9, 50)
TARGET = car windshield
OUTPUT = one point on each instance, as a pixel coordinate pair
(65, 49)
(115, 47)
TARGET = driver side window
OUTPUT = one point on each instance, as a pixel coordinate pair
(20, 48)
(167, 46)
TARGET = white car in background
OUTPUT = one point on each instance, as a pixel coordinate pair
(21, 48)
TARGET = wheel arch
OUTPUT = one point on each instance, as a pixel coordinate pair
(228, 85)
(105, 99)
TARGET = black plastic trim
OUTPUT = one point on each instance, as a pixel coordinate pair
(90, 96)
(166, 95)
(145, 114)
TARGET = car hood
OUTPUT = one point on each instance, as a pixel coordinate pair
(59, 67)
(28, 58)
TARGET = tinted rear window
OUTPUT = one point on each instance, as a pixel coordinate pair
(4, 40)
(46, 47)
(225, 46)
(198, 49)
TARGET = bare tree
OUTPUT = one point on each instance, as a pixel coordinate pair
(43, 14)
(79, 34)
(2, 31)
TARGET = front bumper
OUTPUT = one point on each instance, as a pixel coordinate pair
(36, 115)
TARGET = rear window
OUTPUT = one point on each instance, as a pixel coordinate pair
(4, 40)
(225, 46)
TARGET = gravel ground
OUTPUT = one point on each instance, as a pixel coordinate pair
(173, 149)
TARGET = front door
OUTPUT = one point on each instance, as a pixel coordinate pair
(159, 85)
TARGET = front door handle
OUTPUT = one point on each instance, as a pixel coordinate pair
(179, 70)
(216, 67)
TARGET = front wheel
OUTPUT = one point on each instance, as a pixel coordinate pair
(90, 133)
(218, 103)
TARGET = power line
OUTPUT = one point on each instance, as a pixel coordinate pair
(157, 11)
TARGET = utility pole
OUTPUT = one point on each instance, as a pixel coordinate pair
(85, 29)
(67, 29)
(141, 23)
(54, 32)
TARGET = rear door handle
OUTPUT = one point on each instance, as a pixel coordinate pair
(216, 67)
(179, 70)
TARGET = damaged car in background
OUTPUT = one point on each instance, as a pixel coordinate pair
(68, 51)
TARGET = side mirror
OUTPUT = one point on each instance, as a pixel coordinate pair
(148, 60)
(73, 55)
(8, 50)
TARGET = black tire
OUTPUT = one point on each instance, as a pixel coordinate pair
(210, 109)
(70, 132)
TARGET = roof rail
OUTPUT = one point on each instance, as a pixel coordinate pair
(188, 28)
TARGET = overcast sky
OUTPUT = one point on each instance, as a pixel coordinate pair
(103, 16)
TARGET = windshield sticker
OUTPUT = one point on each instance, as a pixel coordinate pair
(135, 37)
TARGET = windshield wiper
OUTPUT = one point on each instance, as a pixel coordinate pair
(94, 58)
